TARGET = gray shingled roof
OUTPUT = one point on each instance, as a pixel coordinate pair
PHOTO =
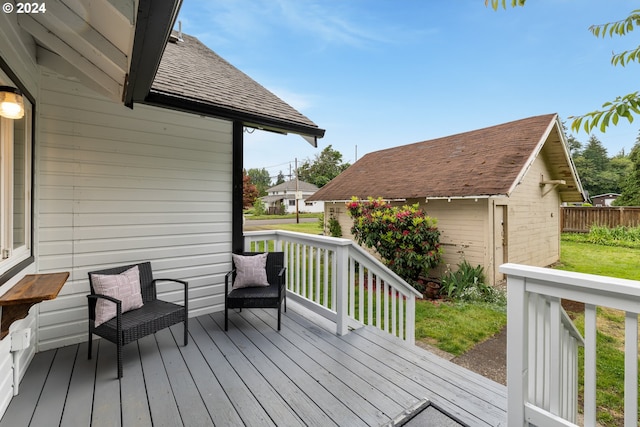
(291, 186)
(484, 162)
(193, 77)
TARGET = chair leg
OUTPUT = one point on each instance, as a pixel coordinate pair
(119, 350)
(279, 316)
(186, 331)
(226, 319)
(90, 345)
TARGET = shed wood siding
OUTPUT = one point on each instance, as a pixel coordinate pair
(462, 224)
(119, 186)
(463, 230)
(534, 219)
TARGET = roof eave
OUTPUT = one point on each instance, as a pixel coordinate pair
(272, 124)
(154, 22)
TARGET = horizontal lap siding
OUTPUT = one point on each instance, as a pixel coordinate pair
(463, 226)
(534, 220)
(117, 186)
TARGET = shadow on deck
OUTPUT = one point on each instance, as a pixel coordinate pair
(254, 375)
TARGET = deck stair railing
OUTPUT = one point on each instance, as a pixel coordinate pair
(542, 344)
(339, 280)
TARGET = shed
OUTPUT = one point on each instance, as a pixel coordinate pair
(496, 192)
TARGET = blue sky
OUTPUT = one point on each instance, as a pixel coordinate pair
(381, 73)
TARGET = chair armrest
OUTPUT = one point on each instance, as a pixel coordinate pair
(281, 276)
(107, 297)
(182, 282)
(93, 298)
(226, 281)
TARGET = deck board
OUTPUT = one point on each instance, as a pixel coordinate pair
(251, 375)
(77, 411)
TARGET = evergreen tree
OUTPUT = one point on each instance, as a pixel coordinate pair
(630, 195)
(280, 178)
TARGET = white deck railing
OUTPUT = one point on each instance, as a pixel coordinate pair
(541, 344)
(339, 280)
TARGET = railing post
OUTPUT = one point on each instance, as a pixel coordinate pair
(517, 342)
(342, 267)
(410, 312)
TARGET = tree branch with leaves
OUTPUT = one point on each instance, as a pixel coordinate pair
(626, 106)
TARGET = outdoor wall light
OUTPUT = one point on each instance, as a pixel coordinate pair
(11, 104)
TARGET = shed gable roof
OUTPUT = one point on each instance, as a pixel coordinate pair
(193, 78)
(484, 162)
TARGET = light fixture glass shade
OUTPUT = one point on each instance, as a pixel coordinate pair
(11, 104)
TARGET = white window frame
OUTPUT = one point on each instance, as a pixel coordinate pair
(10, 256)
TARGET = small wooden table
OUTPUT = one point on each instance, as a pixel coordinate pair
(30, 290)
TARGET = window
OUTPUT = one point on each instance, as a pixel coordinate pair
(15, 185)
(292, 202)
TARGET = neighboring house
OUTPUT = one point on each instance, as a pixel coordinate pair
(496, 192)
(284, 195)
(88, 183)
(602, 200)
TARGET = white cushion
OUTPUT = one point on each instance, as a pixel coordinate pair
(124, 286)
(250, 271)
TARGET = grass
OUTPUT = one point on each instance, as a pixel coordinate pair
(285, 216)
(597, 259)
(303, 227)
(615, 262)
(456, 327)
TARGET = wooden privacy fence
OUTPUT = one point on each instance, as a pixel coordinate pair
(581, 219)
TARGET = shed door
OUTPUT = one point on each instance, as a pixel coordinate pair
(499, 240)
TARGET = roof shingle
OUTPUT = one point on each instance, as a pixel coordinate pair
(191, 71)
(482, 162)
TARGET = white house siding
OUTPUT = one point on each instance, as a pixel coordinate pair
(19, 53)
(534, 219)
(117, 186)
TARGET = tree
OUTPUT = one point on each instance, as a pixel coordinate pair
(594, 168)
(249, 191)
(325, 166)
(280, 178)
(630, 195)
(261, 179)
(625, 106)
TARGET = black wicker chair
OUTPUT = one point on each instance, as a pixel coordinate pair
(272, 296)
(130, 326)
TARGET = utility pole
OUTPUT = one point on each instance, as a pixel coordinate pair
(296, 195)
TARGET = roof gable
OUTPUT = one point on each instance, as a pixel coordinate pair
(484, 162)
(291, 186)
(193, 78)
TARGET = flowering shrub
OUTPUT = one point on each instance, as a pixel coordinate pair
(405, 237)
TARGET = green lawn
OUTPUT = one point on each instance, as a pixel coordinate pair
(614, 262)
(456, 327)
(602, 260)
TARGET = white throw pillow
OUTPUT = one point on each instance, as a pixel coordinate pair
(250, 271)
(124, 286)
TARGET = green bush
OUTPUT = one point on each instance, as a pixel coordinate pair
(258, 207)
(468, 283)
(628, 237)
(335, 230)
(405, 237)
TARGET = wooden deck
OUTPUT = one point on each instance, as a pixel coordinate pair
(253, 375)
